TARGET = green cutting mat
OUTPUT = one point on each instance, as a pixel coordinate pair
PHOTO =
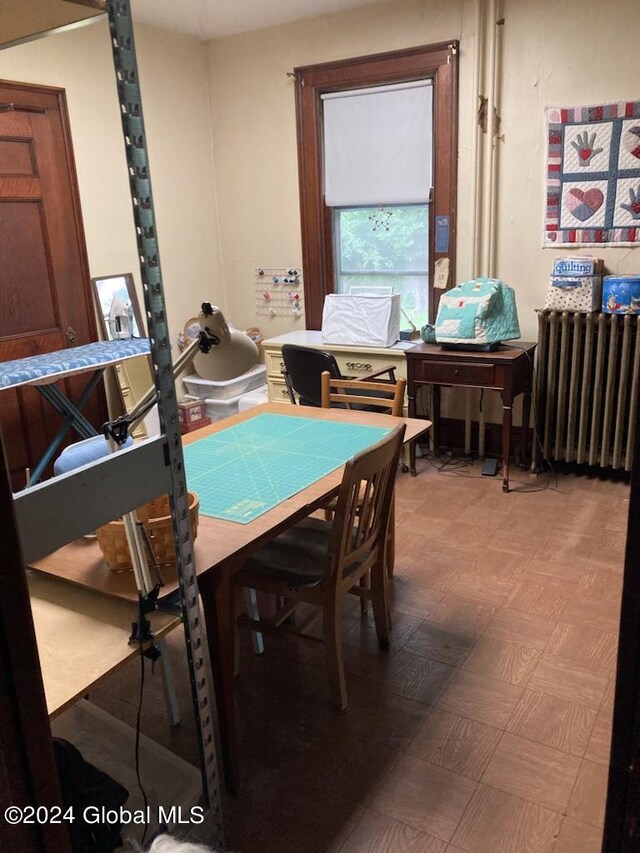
(241, 472)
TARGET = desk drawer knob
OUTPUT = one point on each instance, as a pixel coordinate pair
(456, 372)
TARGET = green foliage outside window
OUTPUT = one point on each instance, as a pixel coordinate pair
(385, 247)
(384, 238)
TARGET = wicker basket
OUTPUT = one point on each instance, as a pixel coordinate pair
(157, 521)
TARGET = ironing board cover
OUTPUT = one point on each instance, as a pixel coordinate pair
(51, 366)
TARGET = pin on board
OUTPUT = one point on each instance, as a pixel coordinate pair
(279, 291)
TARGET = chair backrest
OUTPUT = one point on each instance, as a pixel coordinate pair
(391, 394)
(360, 520)
(304, 366)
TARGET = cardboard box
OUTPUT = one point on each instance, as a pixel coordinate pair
(190, 427)
(190, 411)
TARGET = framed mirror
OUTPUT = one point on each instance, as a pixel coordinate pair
(118, 308)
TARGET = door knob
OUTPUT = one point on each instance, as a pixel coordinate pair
(71, 336)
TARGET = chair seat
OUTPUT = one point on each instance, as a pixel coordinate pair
(297, 557)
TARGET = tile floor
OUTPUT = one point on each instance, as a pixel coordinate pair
(486, 727)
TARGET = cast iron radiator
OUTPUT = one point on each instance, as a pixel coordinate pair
(586, 388)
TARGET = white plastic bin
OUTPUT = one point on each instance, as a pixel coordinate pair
(217, 410)
(226, 389)
(253, 398)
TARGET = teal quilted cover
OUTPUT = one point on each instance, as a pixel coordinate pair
(480, 311)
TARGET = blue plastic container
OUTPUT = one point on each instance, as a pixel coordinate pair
(621, 294)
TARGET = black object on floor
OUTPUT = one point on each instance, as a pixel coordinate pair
(84, 785)
(490, 467)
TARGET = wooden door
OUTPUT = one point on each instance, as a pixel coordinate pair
(28, 774)
(45, 298)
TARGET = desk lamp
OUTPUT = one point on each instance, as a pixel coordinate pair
(235, 353)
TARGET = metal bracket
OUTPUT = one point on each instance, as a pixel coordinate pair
(124, 57)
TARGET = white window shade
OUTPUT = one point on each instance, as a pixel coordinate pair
(377, 145)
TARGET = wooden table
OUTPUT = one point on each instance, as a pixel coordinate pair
(508, 370)
(220, 549)
(82, 636)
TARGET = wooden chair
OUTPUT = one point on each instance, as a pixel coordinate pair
(388, 396)
(317, 562)
(391, 401)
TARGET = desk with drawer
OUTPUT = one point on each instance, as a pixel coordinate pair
(352, 360)
(508, 370)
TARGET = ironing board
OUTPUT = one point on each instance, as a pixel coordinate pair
(43, 371)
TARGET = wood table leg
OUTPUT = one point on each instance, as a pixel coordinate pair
(411, 410)
(526, 414)
(506, 445)
(218, 605)
(435, 429)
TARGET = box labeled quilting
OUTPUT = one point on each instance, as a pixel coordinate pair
(577, 266)
(576, 293)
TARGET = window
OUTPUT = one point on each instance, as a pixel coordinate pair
(377, 181)
(384, 250)
(384, 239)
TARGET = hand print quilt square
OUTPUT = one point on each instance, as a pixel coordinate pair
(593, 176)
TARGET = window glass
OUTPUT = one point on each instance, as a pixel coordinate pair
(385, 250)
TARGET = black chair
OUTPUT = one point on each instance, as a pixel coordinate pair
(303, 367)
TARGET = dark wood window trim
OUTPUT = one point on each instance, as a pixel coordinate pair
(437, 62)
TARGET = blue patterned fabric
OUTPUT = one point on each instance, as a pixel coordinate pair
(481, 311)
(40, 369)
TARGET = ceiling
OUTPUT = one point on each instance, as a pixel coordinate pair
(208, 19)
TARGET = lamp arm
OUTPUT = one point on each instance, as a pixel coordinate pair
(121, 427)
(148, 400)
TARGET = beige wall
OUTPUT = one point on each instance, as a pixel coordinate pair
(229, 203)
(173, 72)
(572, 52)
(254, 131)
(555, 54)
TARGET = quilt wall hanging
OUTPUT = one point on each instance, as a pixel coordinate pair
(593, 176)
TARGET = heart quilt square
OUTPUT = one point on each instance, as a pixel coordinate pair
(583, 204)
